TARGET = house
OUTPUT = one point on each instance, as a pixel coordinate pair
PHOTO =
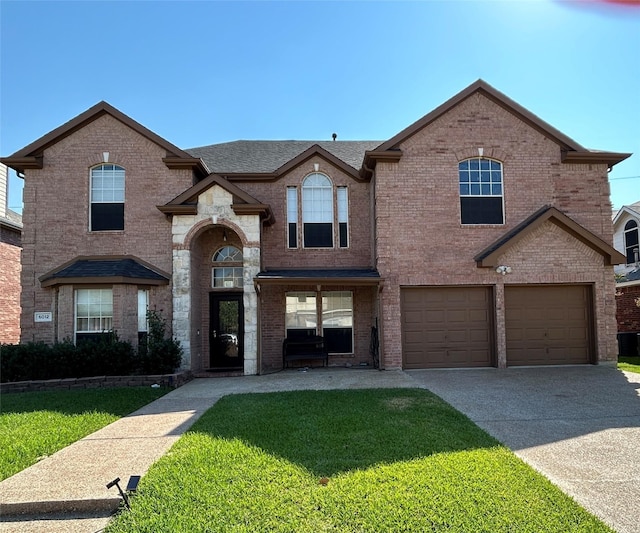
(626, 230)
(477, 236)
(10, 245)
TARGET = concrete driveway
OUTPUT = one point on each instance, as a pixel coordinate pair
(578, 425)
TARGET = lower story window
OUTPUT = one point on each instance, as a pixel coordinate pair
(333, 319)
(227, 277)
(143, 321)
(93, 313)
(337, 321)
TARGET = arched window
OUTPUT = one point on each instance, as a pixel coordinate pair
(631, 241)
(227, 268)
(107, 198)
(481, 191)
(317, 211)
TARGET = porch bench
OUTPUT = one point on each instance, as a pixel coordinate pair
(308, 348)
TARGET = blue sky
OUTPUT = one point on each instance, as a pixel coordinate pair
(204, 72)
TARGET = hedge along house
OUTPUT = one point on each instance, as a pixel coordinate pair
(478, 236)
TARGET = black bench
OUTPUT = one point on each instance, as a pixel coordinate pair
(302, 349)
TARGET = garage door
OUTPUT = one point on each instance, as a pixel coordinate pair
(446, 327)
(548, 325)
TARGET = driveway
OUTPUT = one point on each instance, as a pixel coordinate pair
(578, 425)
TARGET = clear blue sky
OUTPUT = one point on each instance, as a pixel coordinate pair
(204, 72)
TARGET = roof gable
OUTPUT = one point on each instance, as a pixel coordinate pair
(572, 152)
(270, 159)
(243, 203)
(633, 210)
(489, 256)
(31, 156)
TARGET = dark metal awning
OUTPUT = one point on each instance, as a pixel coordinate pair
(320, 276)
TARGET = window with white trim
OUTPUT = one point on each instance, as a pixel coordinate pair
(93, 313)
(143, 307)
(227, 271)
(107, 198)
(631, 243)
(481, 191)
(333, 319)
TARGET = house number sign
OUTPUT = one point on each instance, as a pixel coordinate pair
(42, 316)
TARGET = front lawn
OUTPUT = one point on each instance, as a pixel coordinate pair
(36, 424)
(345, 461)
(629, 364)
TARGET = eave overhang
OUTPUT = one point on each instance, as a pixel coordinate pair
(31, 156)
(355, 277)
(242, 204)
(595, 157)
(488, 258)
(372, 157)
(312, 151)
(90, 270)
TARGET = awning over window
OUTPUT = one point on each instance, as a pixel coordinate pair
(124, 269)
(346, 276)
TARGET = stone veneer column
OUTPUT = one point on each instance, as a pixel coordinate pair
(182, 303)
(214, 209)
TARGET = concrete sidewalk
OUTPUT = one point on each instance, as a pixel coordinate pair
(579, 426)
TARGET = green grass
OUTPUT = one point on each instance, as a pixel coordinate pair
(34, 425)
(629, 364)
(345, 461)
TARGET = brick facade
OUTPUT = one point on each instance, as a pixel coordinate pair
(428, 245)
(10, 266)
(628, 309)
(404, 220)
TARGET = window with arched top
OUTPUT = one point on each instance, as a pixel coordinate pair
(317, 211)
(323, 215)
(631, 245)
(481, 191)
(227, 270)
(106, 198)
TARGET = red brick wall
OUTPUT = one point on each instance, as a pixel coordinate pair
(272, 320)
(275, 253)
(420, 240)
(56, 210)
(627, 311)
(9, 292)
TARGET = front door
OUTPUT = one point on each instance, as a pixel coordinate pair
(226, 332)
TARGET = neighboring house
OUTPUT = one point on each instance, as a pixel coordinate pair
(626, 233)
(10, 246)
(478, 236)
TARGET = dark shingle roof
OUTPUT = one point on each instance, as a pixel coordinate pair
(634, 275)
(111, 269)
(267, 156)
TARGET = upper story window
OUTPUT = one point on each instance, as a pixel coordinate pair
(227, 268)
(318, 214)
(631, 245)
(107, 198)
(317, 211)
(481, 191)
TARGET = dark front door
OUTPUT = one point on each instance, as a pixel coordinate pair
(226, 333)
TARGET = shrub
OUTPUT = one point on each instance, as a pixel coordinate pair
(158, 354)
(101, 355)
